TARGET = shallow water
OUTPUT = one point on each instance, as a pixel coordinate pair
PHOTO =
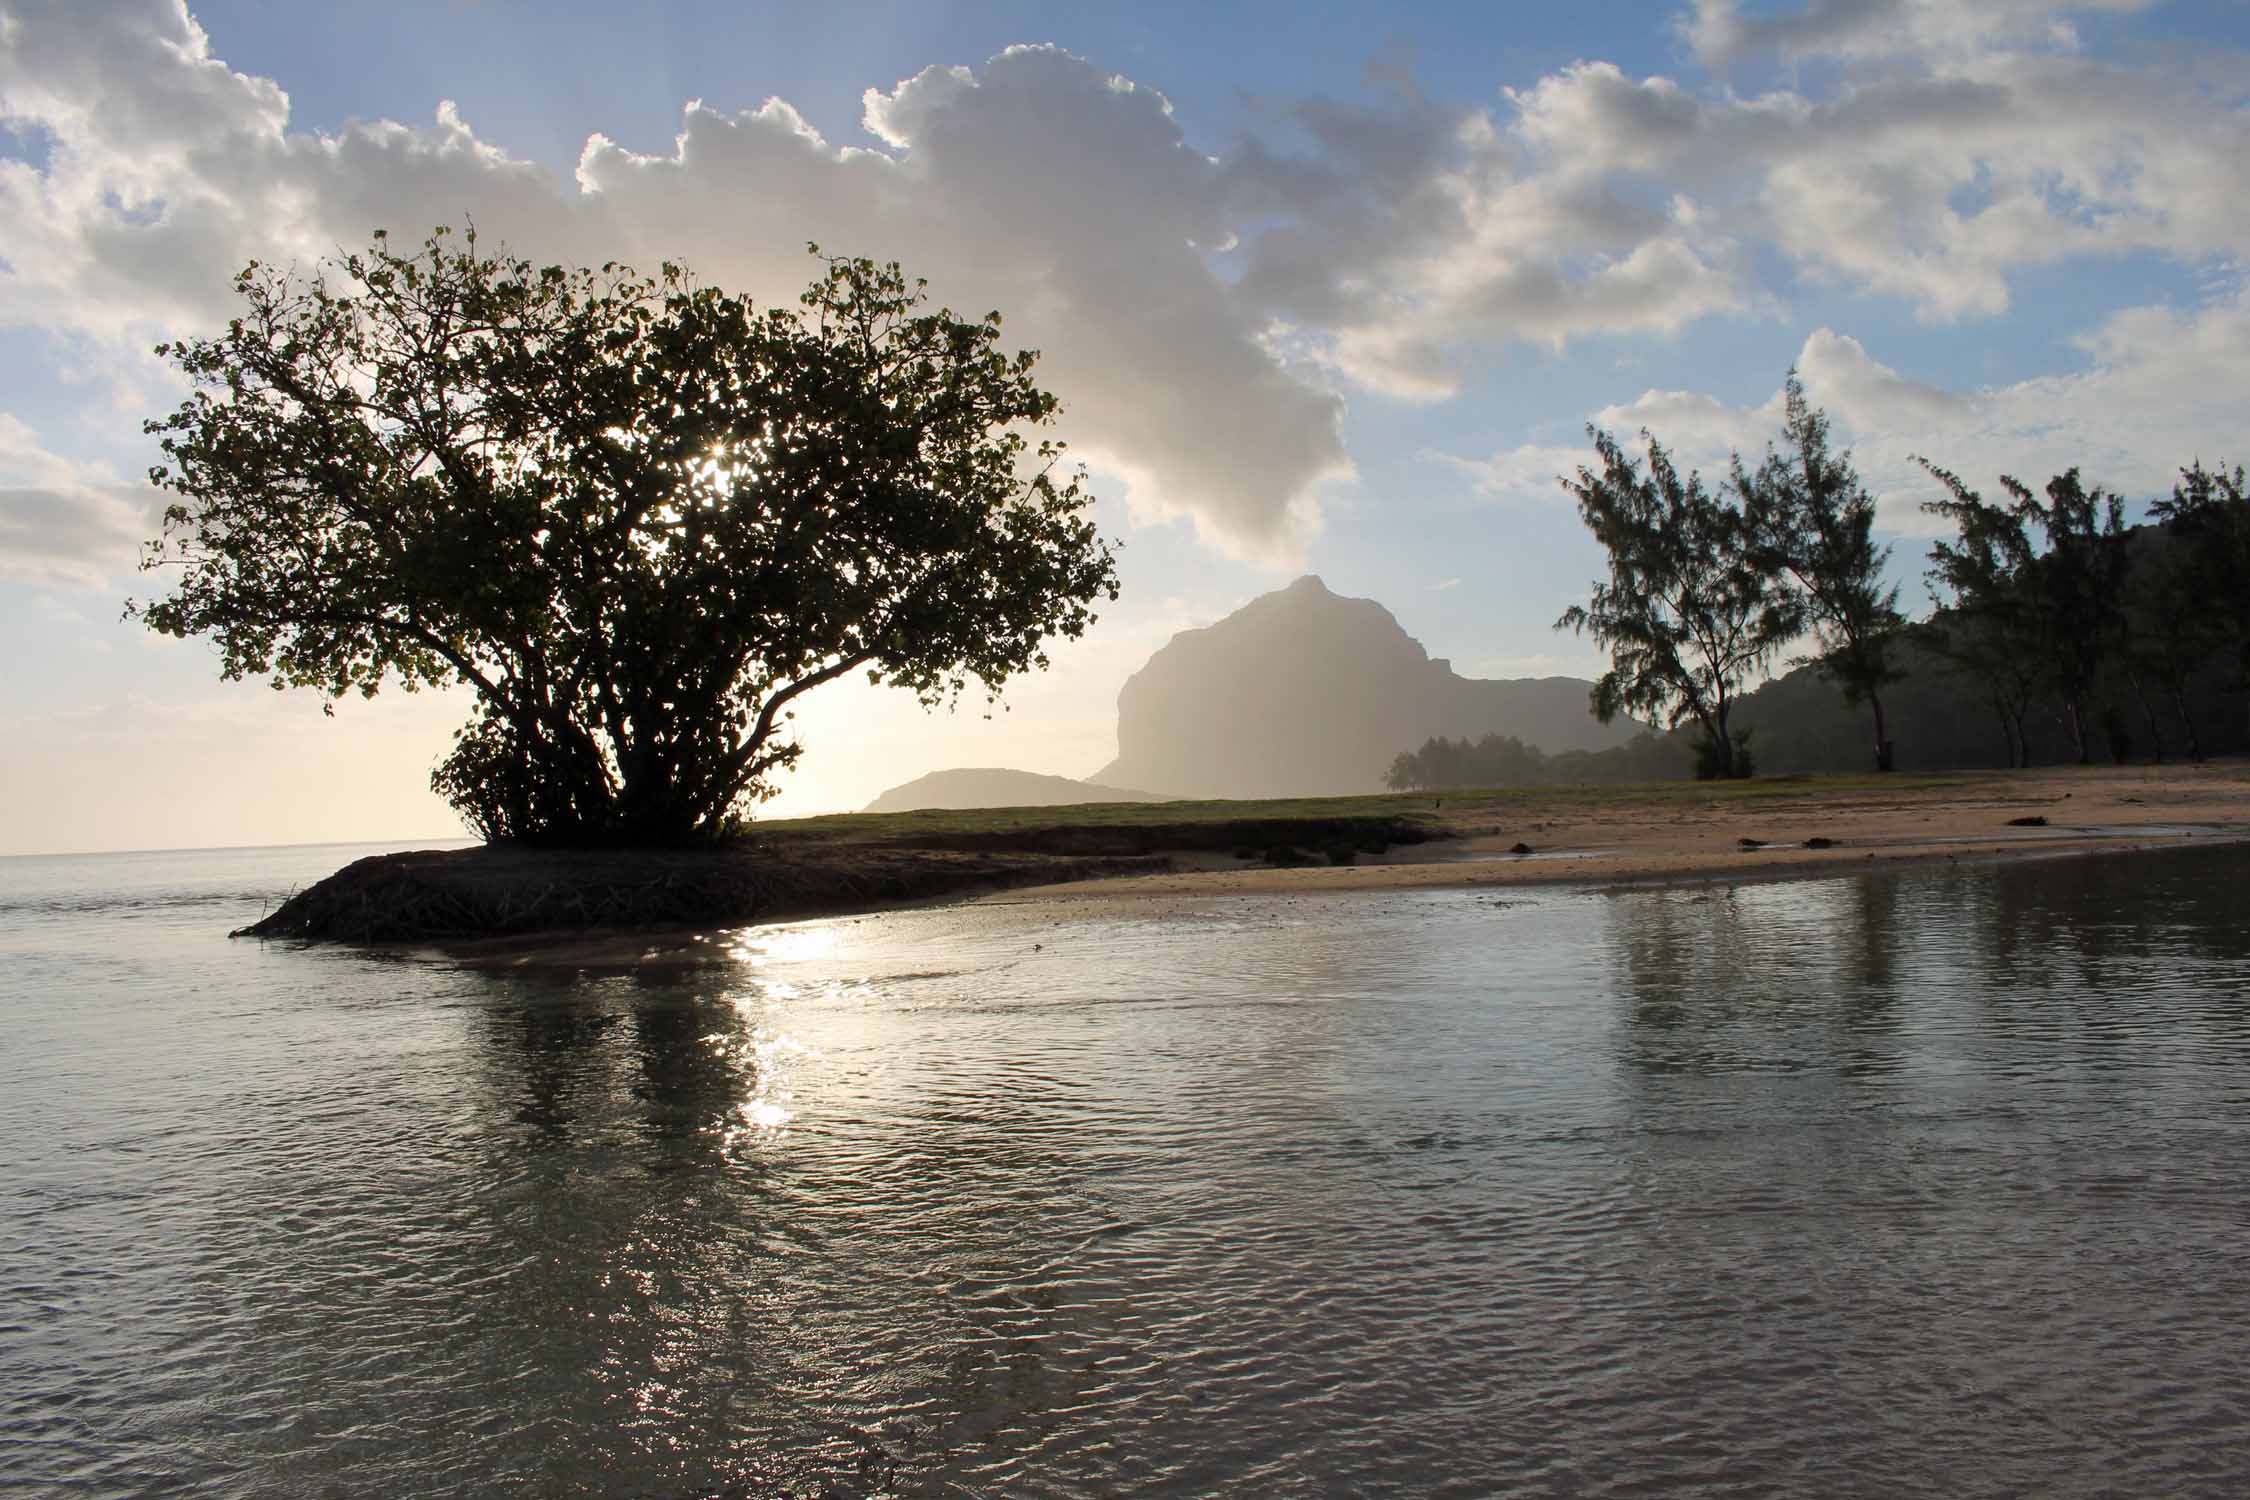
(1886, 1185)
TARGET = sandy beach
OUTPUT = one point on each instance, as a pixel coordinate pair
(1791, 829)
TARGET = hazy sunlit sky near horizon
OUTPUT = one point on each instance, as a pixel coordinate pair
(1323, 289)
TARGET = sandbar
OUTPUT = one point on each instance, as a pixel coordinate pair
(1791, 827)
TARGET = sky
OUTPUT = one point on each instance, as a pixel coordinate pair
(1329, 289)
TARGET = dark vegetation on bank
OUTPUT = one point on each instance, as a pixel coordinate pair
(1798, 724)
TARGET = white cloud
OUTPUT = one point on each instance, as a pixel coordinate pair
(1699, 431)
(1529, 474)
(1959, 147)
(60, 523)
(1956, 148)
(1041, 185)
(2163, 390)
(1721, 32)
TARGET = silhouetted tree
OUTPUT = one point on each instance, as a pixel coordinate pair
(2081, 585)
(1817, 525)
(2168, 632)
(636, 516)
(2209, 511)
(2073, 590)
(1990, 629)
(1687, 614)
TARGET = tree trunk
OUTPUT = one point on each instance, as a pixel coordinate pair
(2246, 672)
(1714, 724)
(1883, 758)
(2187, 723)
(2148, 712)
(2007, 729)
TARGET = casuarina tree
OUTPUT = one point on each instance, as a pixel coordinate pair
(2209, 512)
(1990, 622)
(637, 517)
(2074, 590)
(1817, 524)
(1687, 614)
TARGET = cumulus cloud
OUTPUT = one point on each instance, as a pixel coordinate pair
(1722, 32)
(2161, 391)
(1041, 185)
(1415, 235)
(59, 523)
(1699, 431)
(1960, 147)
(1200, 313)
(1529, 474)
(1936, 178)
(1064, 195)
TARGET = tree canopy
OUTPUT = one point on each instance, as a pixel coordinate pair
(2064, 604)
(2208, 511)
(1689, 613)
(637, 516)
(1816, 522)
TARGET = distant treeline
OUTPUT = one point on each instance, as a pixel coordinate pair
(1800, 723)
(2059, 632)
(1503, 760)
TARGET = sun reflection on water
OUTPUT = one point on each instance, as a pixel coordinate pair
(789, 943)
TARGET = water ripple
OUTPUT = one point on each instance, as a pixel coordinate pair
(1885, 1186)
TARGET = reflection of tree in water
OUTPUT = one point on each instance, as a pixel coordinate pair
(582, 1058)
(1870, 987)
(2104, 907)
(2088, 940)
(1839, 973)
(1870, 936)
(1775, 976)
(757, 1307)
(648, 1255)
(555, 1033)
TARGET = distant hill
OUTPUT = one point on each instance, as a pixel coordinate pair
(1941, 719)
(1302, 692)
(993, 787)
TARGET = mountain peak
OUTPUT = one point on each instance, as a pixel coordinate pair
(1304, 692)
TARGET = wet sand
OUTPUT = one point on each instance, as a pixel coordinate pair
(1600, 839)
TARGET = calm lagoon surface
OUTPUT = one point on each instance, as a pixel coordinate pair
(1929, 1182)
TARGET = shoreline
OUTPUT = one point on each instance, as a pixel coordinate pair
(2088, 810)
(1592, 838)
(1598, 877)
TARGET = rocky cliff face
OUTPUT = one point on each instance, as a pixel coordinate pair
(1305, 693)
